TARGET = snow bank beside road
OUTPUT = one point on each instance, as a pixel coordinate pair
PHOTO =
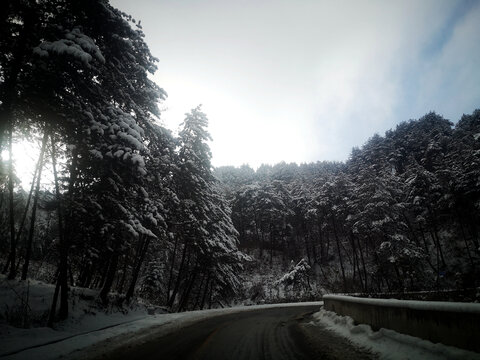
(388, 343)
(449, 323)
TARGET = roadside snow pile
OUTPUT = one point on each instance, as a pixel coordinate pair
(388, 343)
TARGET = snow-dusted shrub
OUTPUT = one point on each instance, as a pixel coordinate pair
(297, 280)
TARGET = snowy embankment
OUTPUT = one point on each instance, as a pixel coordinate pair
(388, 344)
(24, 309)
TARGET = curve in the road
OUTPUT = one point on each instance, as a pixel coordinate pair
(280, 333)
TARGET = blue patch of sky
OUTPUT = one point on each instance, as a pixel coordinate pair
(441, 38)
(410, 77)
(409, 94)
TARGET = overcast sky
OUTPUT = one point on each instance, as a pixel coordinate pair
(306, 80)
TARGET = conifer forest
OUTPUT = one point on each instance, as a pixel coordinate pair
(120, 204)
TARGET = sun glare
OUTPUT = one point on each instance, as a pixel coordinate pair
(25, 157)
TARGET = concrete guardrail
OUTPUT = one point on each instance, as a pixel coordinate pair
(455, 324)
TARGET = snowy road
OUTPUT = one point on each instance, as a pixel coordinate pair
(274, 333)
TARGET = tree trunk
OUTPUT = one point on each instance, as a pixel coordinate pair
(13, 245)
(467, 248)
(339, 255)
(320, 239)
(28, 252)
(53, 309)
(204, 297)
(137, 268)
(112, 269)
(435, 237)
(188, 289)
(210, 296)
(314, 247)
(410, 228)
(272, 239)
(63, 250)
(356, 261)
(6, 113)
(121, 282)
(27, 206)
(199, 292)
(172, 265)
(305, 240)
(179, 277)
(363, 265)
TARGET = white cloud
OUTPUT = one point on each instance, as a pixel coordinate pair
(303, 80)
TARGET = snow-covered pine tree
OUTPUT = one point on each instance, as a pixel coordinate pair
(207, 235)
(84, 80)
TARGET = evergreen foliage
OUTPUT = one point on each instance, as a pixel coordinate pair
(401, 214)
(129, 198)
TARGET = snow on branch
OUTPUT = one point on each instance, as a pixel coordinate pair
(75, 44)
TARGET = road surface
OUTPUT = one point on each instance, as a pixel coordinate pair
(272, 333)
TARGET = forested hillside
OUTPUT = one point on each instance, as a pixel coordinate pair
(402, 214)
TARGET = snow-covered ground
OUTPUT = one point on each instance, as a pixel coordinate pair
(388, 344)
(24, 308)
